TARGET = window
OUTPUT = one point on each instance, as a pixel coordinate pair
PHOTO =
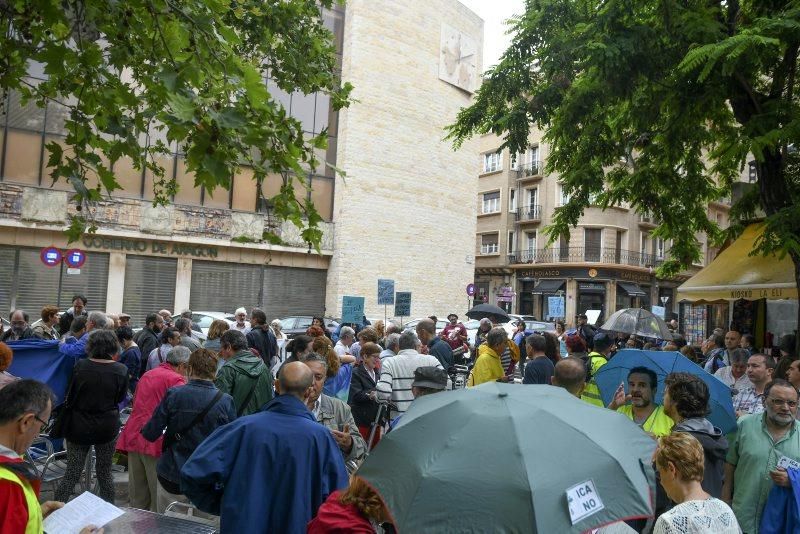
(510, 244)
(618, 246)
(563, 196)
(658, 248)
(593, 238)
(512, 200)
(532, 197)
(491, 202)
(492, 162)
(563, 248)
(530, 241)
(645, 246)
(489, 244)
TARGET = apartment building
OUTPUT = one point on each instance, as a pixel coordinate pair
(605, 263)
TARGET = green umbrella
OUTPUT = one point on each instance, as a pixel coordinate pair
(504, 458)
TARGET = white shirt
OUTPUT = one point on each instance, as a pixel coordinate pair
(244, 329)
(341, 349)
(726, 375)
(711, 516)
(397, 374)
(315, 411)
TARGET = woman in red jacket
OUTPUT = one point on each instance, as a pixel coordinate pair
(357, 510)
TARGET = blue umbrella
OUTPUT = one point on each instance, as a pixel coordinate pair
(664, 363)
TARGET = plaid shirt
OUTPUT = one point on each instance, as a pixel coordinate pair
(748, 401)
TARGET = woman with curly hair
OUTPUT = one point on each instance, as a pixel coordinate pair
(357, 510)
(6, 357)
(339, 373)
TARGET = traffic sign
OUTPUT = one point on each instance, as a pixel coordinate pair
(50, 256)
(471, 290)
(75, 258)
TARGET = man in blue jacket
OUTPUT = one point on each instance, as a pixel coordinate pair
(270, 471)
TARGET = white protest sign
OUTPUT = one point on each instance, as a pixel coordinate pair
(583, 501)
(788, 463)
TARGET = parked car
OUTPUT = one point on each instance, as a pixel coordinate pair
(412, 324)
(203, 319)
(298, 324)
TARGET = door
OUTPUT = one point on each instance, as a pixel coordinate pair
(592, 243)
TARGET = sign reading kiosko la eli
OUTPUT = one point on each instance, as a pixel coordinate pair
(156, 247)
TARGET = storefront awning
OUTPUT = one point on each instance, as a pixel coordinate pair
(734, 274)
(548, 286)
(633, 290)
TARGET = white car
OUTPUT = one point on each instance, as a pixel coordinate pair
(205, 318)
(412, 325)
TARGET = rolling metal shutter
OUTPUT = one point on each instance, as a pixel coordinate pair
(149, 286)
(293, 291)
(8, 257)
(37, 285)
(219, 286)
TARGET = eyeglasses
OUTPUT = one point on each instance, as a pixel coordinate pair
(781, 402)
(44, 423)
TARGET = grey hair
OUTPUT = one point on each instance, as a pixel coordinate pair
(392, 340)
(98, 318)
(496, 336)
(316, 357)
(346, 331)
(178, 355)
(739, 356)
(393, 328)
(408, 340)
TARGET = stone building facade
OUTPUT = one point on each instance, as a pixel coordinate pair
(405, 210)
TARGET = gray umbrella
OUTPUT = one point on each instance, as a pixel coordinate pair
(637, 321)
(510, 458)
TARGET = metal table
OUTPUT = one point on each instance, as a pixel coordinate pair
(135, 521)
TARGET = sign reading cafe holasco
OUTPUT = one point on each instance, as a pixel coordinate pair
(156, 247)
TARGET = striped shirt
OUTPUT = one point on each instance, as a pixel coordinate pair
(397, 374)
(748, 401)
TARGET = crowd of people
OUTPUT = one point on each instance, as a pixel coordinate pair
(262, 433)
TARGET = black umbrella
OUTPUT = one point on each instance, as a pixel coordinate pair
(489, 311)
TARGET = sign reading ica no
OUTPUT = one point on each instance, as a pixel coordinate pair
(583, 501)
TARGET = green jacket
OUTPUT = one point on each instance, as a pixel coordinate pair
(238, 377)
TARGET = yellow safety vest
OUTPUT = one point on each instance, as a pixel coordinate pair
(591, 392)
(34, 525)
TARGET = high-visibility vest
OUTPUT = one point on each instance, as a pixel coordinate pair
(591, 393)
(34, 525)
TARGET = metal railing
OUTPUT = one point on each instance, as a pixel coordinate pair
(585, 254)
(529, 169)
(532, 212)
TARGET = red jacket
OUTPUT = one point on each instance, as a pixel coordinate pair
(334, 517)
(152, 387)
(13, 507)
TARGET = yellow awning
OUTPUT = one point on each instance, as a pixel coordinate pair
(734, 274)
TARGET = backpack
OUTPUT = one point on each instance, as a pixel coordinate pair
(587, 365)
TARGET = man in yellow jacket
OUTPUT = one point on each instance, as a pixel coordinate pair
(603, 345)
(24, 408)
(488, 367)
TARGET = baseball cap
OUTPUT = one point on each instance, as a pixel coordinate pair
(430, 377)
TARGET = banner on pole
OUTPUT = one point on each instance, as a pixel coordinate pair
(402, 304)
(385, 291)
(352, 309)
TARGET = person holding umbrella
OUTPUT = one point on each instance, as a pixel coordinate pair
(679, 460)
(642, 410)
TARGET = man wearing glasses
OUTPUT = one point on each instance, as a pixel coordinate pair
(765, 445)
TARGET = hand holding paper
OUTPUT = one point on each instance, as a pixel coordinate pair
(81, 513)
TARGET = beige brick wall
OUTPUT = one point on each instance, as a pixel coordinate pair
(407, 208)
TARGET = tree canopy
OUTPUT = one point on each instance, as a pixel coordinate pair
(657, 103)
(190, 71)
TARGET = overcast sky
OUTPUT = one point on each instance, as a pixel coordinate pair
(494, 14)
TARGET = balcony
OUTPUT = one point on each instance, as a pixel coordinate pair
(530, 213)
(531, 170)
(586, 255)
(647, 221)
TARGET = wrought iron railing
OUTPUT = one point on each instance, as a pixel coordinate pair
(585, 254)
(532, 212)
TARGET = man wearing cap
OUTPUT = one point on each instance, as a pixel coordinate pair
(427, 380)
(124, 319)
(455, 333)
(585, 330)
(603, 344)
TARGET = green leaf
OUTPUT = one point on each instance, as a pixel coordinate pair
(182, 107)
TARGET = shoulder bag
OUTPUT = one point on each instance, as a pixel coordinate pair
(175, 437)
